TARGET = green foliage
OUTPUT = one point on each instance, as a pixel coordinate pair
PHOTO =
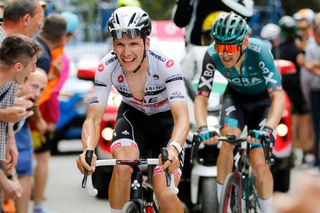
(158, 9)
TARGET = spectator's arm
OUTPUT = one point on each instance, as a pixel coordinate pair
(182, 12)
(12, 151)
(40, 122)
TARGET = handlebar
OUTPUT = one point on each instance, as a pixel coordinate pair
(265, 141)
(92, 191)
(231, 139)
(196, 141)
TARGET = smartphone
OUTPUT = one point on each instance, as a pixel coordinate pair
(32, 107)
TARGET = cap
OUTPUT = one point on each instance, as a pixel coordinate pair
(304, 13)
(72, 21)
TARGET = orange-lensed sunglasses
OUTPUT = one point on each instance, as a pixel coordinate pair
(231, 49)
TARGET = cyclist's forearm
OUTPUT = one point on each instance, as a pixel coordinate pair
(200, 110)
(90, 134)
(91, 127)
(276, 109)
(181, 123)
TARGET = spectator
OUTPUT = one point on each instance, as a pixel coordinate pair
(192, 14)
(20, 17)
(34, 85)
(52, 36)
(270, 33)
(52, 101)
(18, 55)
(197, 16)
(312, 79)
(304, 199)
(301, 119)
(303, 19)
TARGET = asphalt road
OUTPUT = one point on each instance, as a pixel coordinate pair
(64, 193)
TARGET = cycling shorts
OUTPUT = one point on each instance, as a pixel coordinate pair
(239, 110)
(148, 132)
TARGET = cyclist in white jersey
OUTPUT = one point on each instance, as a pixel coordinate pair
(153, 112)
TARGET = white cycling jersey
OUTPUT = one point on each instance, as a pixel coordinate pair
(163, 85)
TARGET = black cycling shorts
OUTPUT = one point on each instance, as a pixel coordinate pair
(239, 110)
(148, 132)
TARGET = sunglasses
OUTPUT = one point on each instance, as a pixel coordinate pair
(131, 33)
(231, 49)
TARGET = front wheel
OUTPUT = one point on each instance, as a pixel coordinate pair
(130, 207)
(231, 194)
(209, 199)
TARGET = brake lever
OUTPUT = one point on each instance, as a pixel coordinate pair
(165, 157)
(169, 177)
(195, 146)
(88, 158)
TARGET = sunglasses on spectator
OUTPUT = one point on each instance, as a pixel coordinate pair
(230, 49)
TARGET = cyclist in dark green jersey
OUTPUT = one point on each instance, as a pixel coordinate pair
(253, 97)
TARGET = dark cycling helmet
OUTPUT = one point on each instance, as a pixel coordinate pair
(287, 26)
(229, 28)
(129, 20)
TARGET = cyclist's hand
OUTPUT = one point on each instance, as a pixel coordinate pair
(173, 163)
(206, 137)
(82, 164)
(255, 135)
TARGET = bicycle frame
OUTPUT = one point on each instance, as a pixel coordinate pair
(140, 200)
(238, 188)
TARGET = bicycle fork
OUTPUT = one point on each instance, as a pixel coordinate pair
(136, 187)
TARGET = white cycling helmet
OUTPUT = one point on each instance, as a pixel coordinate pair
(270, 31)
(244, 7)
(129, 20)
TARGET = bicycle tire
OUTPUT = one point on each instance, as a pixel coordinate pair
(231, 192)
(130, 207)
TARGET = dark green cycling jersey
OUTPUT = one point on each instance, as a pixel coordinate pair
(258, 72)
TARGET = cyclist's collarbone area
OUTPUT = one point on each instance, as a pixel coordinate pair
(136, 85)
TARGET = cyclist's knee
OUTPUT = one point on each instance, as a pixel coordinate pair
(260, 170)
(125, 151)
(122, 172)
(226, 149)
(165, 197)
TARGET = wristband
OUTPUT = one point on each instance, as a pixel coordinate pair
(176, 145)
